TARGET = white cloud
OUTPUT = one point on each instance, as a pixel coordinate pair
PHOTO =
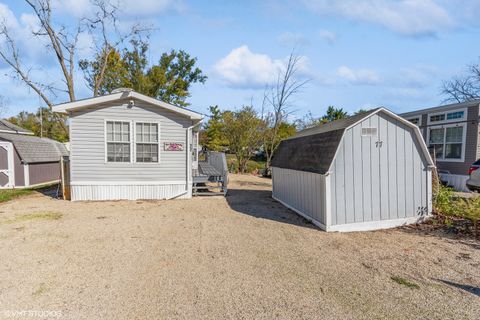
(137, 8)
(76, 8)
(292, 39)
(246, 69)
(407, 17)
(358, 76)
(151, 7)
(7, 16)
(329, 36)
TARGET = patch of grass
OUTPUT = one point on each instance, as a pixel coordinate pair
(10, 194)
(405, 282)
(48, 215)
(40, 290)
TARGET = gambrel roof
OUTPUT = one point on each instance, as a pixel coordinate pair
(32, 149)
(314, 149)
(8, 127)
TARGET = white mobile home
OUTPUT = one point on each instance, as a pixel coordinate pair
(369, 171)
(126, 145)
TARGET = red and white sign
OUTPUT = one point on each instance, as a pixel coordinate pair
(173, 146)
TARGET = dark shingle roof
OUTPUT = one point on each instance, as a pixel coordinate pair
(10, 127)
(313, 149)
(334, 125)
(32, 149)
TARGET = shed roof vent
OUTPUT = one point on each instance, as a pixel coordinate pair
(369, 132)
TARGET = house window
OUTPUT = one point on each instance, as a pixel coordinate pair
(455, 115)
(415, 121)
(448, 142)
(146, 143)
(437, 117)
(449, 116)
(118, 141)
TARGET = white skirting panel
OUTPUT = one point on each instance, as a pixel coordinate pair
(130, 192)
(456, 181)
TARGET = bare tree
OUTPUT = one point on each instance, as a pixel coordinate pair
(464, 87)
(278, 99)
(62, 43)
(3, 106)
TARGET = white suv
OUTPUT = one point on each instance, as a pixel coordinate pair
(473, 183)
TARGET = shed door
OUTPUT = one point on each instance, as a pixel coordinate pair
(402, 172)
(6, 165)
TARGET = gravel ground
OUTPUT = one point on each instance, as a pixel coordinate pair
(240, 257)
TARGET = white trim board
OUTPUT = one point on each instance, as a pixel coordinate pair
(95, 101)
(376, 225)
(357, 226)
(310, 219)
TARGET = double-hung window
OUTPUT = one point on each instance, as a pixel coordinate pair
(448, 142)
(118, 141)
(146, 142)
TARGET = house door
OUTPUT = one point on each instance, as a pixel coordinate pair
(6, 165)
(194, 150)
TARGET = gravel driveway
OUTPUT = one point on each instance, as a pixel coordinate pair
(240, 257)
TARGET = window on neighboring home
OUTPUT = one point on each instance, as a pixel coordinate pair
(437, 117)
(448, 142)
(146, 143)
(455, 115)
(415, 121)
(118, 141)
(448, 116)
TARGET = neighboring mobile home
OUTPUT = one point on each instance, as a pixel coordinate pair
(27, 160)
(452, 132)
(126, 145)
(369, 171)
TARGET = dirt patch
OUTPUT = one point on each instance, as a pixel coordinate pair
(240, 256)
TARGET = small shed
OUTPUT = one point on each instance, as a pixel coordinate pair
(27, 160)
(365, 172)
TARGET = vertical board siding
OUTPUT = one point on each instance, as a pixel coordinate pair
(302, 191)
(19, 170)
(44, 172)
(87, 140)
(381, 177)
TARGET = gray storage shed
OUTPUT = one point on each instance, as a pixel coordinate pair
(369, 171)
(27, 160)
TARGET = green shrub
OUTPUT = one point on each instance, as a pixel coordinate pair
(470, 209)
(447, 204)
(443, 201)
(252, 166)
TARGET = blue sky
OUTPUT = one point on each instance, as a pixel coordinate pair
(358, 54)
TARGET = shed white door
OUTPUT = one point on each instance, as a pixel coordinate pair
(7, 178)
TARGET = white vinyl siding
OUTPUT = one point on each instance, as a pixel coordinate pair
(303, 192)
(88, 144)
